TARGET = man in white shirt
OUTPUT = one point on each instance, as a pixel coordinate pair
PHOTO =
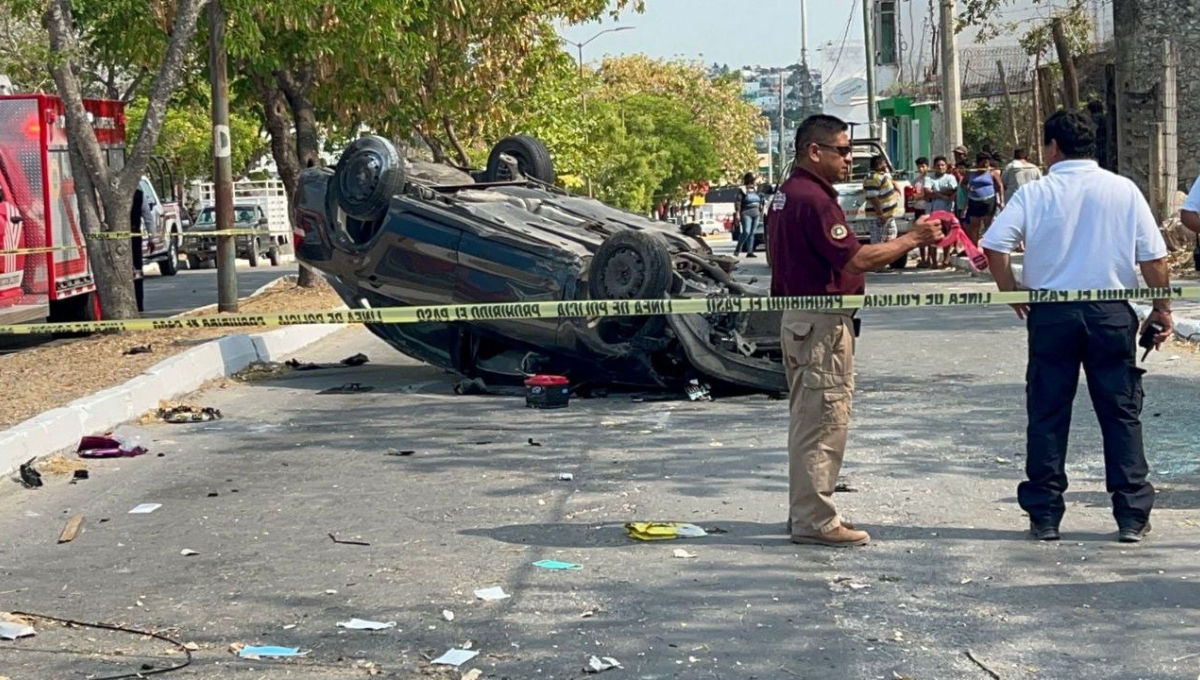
(1083, 228)
(1019, 172)
(1190, 214)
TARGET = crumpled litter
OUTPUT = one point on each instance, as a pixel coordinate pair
(12, 631)
(362, 624)
(107, 447)
(597, 664)
(663, 531)
(555, 565)
(455, 657)
(492, 594)
(249, 652)
(187, 413)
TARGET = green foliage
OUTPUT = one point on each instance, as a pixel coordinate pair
(186, 138)
(984, 125)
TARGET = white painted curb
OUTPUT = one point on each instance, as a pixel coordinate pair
(62, 428)
(1185, 329)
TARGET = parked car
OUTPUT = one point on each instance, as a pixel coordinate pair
(162, 244)
(393, 232)
(201, 248)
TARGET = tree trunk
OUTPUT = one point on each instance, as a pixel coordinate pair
(463, 160)
(1067, 61)
(112, 260)
(279, 124)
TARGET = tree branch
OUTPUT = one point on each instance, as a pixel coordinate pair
(463, 159)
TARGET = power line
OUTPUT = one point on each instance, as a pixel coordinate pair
(845, 36)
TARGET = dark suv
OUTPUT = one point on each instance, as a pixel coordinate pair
(388, 231)
(202, 248)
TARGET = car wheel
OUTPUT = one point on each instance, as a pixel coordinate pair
(369, 173)
(253, 255)
(273, 254)
(630, 265)
(533, 160)
(170, 266)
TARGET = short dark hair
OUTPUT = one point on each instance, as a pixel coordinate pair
(1020, 154)
(748, 178)
(818, 129)
(922, 161)
(1073, 131)
(983, 157)
(942, 159)
(878, 161)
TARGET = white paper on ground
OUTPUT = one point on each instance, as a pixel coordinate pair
(492, 594)
(361, 624)
(455, 657)
(12, 631)
(145, 508)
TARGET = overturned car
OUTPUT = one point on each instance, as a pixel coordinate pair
(390, 232)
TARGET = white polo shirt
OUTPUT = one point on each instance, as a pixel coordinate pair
(1192, 204)
(1083, 228)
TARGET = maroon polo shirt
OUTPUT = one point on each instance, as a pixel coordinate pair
(810, 240)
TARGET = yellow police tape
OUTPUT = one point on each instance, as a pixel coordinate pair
(604, 308)
(129, 235)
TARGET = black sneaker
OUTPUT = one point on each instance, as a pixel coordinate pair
(1131, 535)
(1044, 532)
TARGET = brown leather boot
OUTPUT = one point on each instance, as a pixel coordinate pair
(846, 524)
(840, 537)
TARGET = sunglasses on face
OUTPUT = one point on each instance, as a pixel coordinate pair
(840, 150)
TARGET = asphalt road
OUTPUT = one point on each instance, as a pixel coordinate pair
(170, 295)
(935, 456)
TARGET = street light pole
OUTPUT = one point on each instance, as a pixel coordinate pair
(227, 294)
(582, 89)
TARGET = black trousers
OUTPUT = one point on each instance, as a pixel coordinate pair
(1102, 337)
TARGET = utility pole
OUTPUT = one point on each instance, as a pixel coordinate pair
(951, 82)
(805, 77)
(782, 128)
(583, 85)
(227, 293)
(869, 40)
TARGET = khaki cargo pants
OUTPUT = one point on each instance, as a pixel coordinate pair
(818, 353)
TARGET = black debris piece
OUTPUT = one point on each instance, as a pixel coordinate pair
(188, 413)
(30, 477)
(139, 349)
(348, 388)
(356, 360)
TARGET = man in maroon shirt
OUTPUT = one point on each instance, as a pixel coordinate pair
(815, 253)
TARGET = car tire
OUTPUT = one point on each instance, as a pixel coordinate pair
(630, 265)
(253, 254)
(533, 159)
(369, 173)
(170, 266)
(273, 255)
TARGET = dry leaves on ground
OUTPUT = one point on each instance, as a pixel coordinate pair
(53, 375)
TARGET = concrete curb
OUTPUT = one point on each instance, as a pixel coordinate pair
(1187, 330)
(62, 428)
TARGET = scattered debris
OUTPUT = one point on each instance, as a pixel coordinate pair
(683, 554)
(888, 578)
(588, 614)
(399, 452)
(71, 530)
(339, 541)
(186, 413)
(455, 657)
(362, 624)
(138, 349)
(698, 392)
(555, 565)
(268, 652)
(1002, 460)
(843, 584)
(13, 631)
(297, 365)
(145, 508)
(492, 594)
(472, 674)
(348, 388)
(356, 360)
(974, 659)
(533, 443)
(598, 664)
(188, 552)
(447, 614)
(107, 447)
(566, 477)
(663, 531)
(470, 387)
(715, 530)
(262, 370)
(30, 477)
(843, 487)
(79, 474)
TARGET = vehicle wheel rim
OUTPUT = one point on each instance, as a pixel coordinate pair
(624, 275)
(362, 178)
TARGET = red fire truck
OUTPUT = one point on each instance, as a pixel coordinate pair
(39, 209)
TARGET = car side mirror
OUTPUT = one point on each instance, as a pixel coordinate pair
(262, 221)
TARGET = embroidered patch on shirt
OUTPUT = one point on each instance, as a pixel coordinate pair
(839, 231)
(779, 202)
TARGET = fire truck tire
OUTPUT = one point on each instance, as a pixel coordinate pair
(170, 266)
(84, 307)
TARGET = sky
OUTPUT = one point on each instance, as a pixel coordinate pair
(751, 32)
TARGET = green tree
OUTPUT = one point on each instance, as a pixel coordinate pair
(186, 139)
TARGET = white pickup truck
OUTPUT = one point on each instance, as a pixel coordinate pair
(853, 198)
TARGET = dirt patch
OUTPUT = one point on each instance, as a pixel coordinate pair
(59, 464)
(54, 375)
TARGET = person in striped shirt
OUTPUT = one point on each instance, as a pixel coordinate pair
(883, 201)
